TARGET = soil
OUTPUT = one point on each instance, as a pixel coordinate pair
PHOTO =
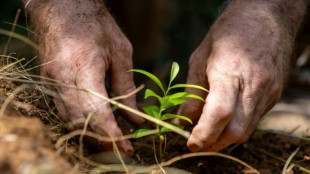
(249, 152)
(29, 130)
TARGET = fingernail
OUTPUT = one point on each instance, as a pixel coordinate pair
(193, 146)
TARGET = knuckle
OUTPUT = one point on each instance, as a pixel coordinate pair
(221, 112)
(54, 72)
(207, 140)
(192, 58)
(204, 137)
(122, 45)
(196, 58)
(261, 79)
(127, 45)
(201, 53)
(271, 85)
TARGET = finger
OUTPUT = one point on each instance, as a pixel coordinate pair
(235, 131)
(251, 106)
(260, 110)
(61, 109)
(217, 112)
(122, 81)
(197, 76)
(103, 122)
(69, 109)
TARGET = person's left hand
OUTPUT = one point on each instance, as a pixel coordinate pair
(80, 43)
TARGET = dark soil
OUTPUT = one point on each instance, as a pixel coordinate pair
(249, 152)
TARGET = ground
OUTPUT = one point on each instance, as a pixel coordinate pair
(29, 131)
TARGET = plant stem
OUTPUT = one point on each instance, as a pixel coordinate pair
(157, 125)
(168, 89)
(161, 141)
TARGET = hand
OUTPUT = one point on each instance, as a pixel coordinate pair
(244, 61)
(83, 42)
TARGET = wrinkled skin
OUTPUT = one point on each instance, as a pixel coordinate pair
(83, 42)
(246, 56)
(243, 60)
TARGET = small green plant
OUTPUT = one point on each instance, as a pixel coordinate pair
(166, 101)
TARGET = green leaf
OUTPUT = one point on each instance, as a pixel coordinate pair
(177, 101)
(166, 105)
(172, 102)
(185, 94)
(142, 132)
(151, 110)
(188, 86)
(151, 76)
(164, 129)
(149, 93)
(174, 71)
(172, 116)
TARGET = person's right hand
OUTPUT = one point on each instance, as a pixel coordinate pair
(83, 42)
(244, 60)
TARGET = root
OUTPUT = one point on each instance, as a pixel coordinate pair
(196, 154)
(163, 165)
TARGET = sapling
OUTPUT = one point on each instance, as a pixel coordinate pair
(166, 101)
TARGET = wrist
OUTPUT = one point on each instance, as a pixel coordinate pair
(287, 13)
(70, 17)
(54, 22)
(266, 28)
(68, 25)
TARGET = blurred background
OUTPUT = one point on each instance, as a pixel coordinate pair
(160, 31)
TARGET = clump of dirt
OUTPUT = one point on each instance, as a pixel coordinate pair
(28, 131)
(25, 148)
(28, 101)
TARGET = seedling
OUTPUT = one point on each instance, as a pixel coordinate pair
(166, 101)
